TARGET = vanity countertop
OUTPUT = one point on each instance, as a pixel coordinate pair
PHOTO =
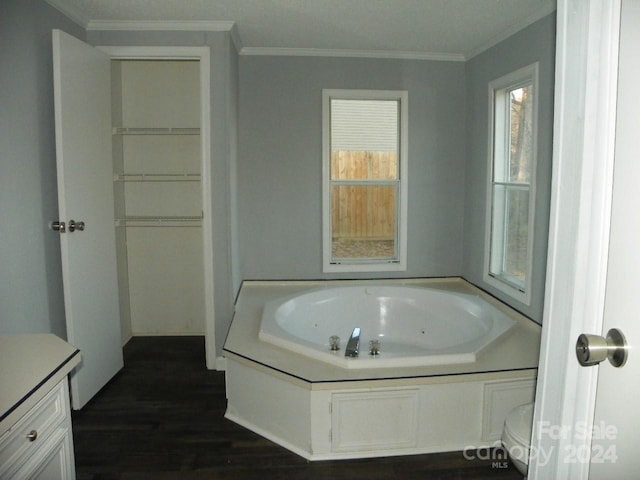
(30, 366)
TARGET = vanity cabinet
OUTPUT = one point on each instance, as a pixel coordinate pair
(36, 439)
(40, 444)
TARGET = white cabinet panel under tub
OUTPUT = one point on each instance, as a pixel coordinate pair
(374, 420)
(340, 420)
(498, 396)
(271, 406)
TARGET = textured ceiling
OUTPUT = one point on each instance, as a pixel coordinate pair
(392, 27)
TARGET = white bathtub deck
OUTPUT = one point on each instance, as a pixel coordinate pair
(517, 350)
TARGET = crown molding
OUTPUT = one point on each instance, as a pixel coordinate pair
(81, 19)
(168, 25)
(71, 12)
(318, 52)
(235, 37)
(158, 25)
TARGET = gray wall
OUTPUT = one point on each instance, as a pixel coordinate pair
(280, 161)
(31, 295)
(224, 80)
(267, 204)
(535, 43)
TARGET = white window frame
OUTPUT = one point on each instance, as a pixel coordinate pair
(369, 265)
(524, 76)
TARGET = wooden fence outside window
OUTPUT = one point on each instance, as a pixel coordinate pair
(359, 210)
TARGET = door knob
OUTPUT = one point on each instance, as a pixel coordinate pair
(593, 349)
(58, 227)
(73, 226)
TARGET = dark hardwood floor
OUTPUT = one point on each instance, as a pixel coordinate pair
(162, 418)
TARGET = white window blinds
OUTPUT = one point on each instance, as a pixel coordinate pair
(364, 125)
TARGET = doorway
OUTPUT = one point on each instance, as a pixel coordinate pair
(83, 93)
(162, 191)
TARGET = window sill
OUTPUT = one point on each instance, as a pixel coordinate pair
(365, 267)
(509, 289)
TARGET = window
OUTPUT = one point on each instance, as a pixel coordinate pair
(511, 192)
(364, 180)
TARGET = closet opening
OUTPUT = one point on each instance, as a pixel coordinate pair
(161, 177)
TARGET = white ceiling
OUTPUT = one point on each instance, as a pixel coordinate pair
(448, 29)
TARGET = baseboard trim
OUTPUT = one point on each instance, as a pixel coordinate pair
(221, 364)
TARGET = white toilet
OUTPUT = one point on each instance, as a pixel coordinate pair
(516, 436)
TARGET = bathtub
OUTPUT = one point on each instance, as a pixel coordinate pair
(283, 382)
(413, 326)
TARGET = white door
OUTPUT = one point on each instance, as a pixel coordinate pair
(585, 423)
(616, 433)
(82, 94)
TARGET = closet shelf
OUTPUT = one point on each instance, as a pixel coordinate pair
(156, 177)
(155, 131)
(181, 221)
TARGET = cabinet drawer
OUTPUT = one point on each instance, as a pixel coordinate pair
(41, 421)
(54, 460)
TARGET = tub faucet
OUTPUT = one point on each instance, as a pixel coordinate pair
(353, 345)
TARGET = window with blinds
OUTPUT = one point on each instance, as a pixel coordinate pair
(364, 180)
